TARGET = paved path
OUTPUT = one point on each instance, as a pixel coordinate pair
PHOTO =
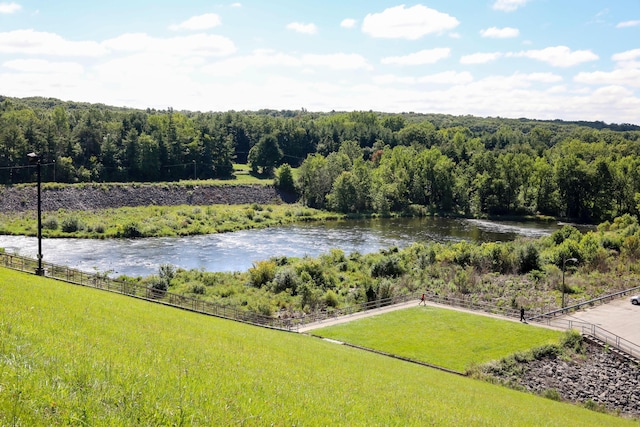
(619, 317)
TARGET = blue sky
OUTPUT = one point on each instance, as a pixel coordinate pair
(541, 59)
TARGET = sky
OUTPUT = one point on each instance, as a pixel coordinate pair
(537, 59)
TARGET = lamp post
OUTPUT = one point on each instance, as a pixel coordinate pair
(35, 159)
(564, 263)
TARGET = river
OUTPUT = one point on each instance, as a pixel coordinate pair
(238, 250)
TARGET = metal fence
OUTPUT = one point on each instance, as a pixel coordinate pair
(102, 281)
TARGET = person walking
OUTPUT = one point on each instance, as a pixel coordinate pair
(522, 319)
(423, 300)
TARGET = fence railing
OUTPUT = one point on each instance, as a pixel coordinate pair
(589, 303)
(101, 281)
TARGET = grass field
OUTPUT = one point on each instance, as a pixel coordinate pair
(77, 356)
(447, 338)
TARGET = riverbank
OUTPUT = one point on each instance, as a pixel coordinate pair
(95, 196)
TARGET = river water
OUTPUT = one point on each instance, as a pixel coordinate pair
(238, 250)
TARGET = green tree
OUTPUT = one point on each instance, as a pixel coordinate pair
(265, 155)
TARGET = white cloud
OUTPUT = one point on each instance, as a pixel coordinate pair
(447, 78)
(196, 44)
(348, 23)
(427, 56)
(500, 33)
(30, 42)
(559, 56)
(236, 4)
(624, 77)
(303, 28)
(338, 61)
(8, 8)
(198, 23)
(480, 58)
(628, 55)
(269, 58)
(411, 23)
(42, 66)
(444, 78)
(626, 24)
(509, 5)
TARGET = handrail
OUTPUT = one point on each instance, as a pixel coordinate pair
(103, 282)
(591, 302)
(609, 338)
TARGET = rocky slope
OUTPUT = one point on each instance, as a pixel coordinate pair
(102, 196)
(599, 379)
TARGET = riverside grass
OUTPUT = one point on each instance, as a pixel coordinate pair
(443, 337)
(78, 356)
(159, 221)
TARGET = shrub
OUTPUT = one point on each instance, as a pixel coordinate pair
(198, 288)
(50, 223)
(387, 267)
(286, 279)
(528, 258)
(70, 224)
(552, 393)
(331, 299)
(131, 230)
(262, 273)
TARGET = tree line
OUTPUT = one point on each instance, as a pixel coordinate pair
(351, 162)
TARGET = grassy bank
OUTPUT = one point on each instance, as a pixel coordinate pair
(442, 337)
(76, 356)
(158, 221)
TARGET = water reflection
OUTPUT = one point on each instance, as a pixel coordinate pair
(237, 251)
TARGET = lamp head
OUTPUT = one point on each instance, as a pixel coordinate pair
(33, 157)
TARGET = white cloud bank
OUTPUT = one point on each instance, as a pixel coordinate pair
(198, 23)
(500, 33)
(303, 28)
(8, 8)
(427, 56)
(407, 23)
(509, 5)
(559, 56)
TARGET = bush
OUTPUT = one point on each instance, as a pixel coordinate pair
(286, 279)
(528, 258)
(262, 273)
(50, 223)
(70, 224)
(131, 231)
(387, 267)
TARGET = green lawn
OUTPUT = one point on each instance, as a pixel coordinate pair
(71, 355)
(447, 338)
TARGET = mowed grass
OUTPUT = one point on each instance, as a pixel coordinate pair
(448, 338)
(78, 356)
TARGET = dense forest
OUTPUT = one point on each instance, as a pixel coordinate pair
(347, 161)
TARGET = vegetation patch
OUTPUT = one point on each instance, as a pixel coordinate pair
(77, 356)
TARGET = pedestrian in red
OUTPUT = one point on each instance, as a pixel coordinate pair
(423, 300)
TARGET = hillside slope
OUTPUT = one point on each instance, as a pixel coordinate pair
(104, 196)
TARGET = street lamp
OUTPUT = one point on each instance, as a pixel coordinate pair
(35, 159)
(564, 263)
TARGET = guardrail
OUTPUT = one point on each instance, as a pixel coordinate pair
(592, 302)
